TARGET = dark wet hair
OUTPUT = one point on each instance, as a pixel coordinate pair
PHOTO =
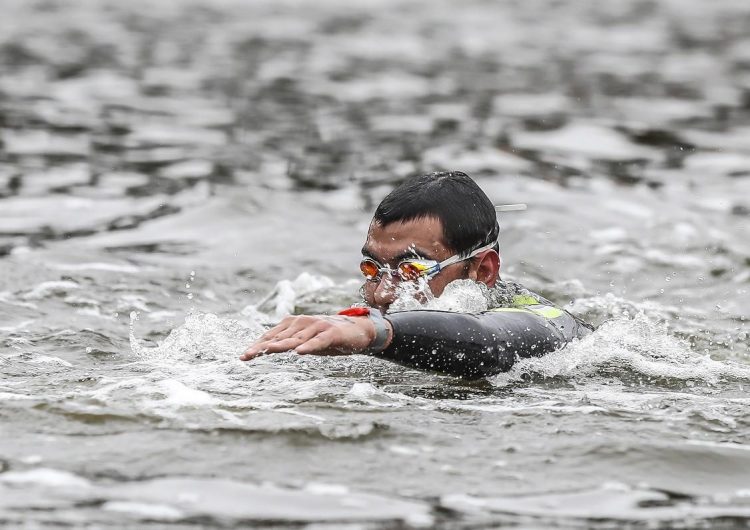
(466, 213)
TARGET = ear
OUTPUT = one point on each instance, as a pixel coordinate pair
(486, 268)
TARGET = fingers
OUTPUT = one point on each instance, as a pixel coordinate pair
(289, 334)
(315, 335)
(319, 344)
(279, 344)
(285, 328)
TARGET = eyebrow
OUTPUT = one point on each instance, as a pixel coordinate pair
(411, 253)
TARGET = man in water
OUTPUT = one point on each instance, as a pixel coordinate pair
(428, 232)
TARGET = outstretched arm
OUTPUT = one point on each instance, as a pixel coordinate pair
(317, 335)
(459, 344)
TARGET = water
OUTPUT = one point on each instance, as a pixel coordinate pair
(174, 176)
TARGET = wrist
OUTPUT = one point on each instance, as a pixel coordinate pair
(383, 330)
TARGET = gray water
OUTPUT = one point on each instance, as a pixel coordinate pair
(176, 175)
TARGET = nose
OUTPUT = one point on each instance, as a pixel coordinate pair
(385, 292)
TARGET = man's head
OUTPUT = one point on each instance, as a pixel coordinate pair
(433, 217)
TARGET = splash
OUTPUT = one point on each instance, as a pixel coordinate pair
(635, 345)
(630, 349)
(282, 299)
(194, 377)
(597, 309)
(459, 296)
(203, 336)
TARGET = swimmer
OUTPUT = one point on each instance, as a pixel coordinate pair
(430, 231)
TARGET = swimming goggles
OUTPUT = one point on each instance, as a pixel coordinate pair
(412, 269)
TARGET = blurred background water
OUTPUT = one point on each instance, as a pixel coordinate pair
(174, 175)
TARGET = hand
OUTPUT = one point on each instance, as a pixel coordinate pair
(315, 335)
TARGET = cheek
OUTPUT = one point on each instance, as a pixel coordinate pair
(438, 283)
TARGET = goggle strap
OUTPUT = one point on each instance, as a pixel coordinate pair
(457, 258)
(510, 207)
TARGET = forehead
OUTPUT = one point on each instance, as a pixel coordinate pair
(425, 236)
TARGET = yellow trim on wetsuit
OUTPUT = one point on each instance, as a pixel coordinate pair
(547, 311)
(522, 300)
(529, 304)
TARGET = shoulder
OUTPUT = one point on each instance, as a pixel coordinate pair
(511, 297)
(507, 294)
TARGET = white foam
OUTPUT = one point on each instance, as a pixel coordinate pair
(158, 316)
(9, 396)
(371, 395)
(45, 289)
(179, 394)
(403, 450)
(632, 345)
(610, 502)
(45, 477)
(45, 359)
(320, 488)
(720, 445)
(459, 296)
(610, 306)
(231, 500)
(96, 266)
(203, 335)
(284, 296)
(159, 512)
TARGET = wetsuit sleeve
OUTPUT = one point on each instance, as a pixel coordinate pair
(474, 345)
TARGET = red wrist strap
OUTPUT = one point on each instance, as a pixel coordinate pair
(355, 312)
(381, 328)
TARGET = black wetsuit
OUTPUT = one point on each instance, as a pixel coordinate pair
(474, 345)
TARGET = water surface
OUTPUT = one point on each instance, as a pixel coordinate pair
(175, 176)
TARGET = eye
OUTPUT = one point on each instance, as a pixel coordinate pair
(369, 269)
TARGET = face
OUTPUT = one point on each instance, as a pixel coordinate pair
(418, 238)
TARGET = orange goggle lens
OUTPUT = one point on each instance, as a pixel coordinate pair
(369, 269)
